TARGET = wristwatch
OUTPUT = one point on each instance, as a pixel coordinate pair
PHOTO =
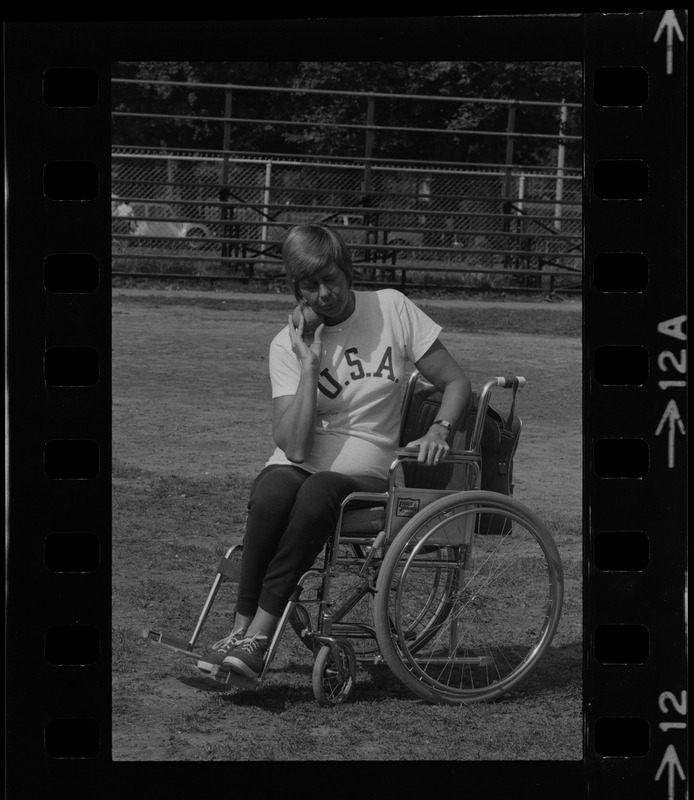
(444, 424)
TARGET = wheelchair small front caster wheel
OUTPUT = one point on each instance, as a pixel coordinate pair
(334, 673)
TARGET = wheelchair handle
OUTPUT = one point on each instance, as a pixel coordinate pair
(515, 383)
(510, 383)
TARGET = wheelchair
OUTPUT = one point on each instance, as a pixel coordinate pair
(457, 589)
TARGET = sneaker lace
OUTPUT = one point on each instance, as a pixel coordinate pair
(254, 643)
(228, 642)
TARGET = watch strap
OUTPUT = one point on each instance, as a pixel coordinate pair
(444, 424)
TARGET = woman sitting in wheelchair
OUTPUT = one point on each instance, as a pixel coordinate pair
(336, 416)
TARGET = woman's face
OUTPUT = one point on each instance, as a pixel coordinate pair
(327, 292)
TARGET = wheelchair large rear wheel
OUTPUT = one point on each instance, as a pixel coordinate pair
(504, 592)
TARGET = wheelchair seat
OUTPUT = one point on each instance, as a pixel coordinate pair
(363, 521)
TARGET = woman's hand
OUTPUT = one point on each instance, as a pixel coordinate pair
(440, 369)
(432, 446)
(307, 349)
(294, 416)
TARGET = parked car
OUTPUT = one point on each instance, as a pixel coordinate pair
(121, 213)
(157, 220)
(385, 247)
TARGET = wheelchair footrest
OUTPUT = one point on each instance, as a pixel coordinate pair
(176, 643)
(222, 674)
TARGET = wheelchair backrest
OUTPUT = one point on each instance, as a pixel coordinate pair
(420, 408)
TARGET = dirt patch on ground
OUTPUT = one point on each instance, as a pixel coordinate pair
(191, 427)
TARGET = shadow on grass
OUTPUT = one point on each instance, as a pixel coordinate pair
(289, 686)
(559, 671)
(559, 667)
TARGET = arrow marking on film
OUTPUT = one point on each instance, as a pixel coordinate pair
(669, 23)
(672, 416)
(672, 763)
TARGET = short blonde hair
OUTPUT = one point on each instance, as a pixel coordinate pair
(309, 248)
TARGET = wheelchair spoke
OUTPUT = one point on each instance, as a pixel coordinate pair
(498, 600)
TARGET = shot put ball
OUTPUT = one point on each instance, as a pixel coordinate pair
(311, 319)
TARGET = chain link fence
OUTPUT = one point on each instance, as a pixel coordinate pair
(216, 215)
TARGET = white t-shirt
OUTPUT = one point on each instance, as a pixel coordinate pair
(362, 370)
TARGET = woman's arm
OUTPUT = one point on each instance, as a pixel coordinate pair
(294, 416)
(439, 367)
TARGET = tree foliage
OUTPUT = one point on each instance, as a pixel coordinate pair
(321, 122)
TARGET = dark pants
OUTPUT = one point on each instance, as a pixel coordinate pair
(291, 515)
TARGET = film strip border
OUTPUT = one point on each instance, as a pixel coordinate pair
(635, 395)
(635, 382)
(59, 403)
(76, 372)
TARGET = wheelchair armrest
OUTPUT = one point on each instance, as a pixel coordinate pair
(364, 520)
(469, 460)
(366, 498)
(457, 456)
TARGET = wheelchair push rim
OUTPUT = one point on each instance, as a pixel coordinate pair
(502, 607)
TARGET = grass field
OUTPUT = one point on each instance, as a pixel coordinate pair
(191, 428)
